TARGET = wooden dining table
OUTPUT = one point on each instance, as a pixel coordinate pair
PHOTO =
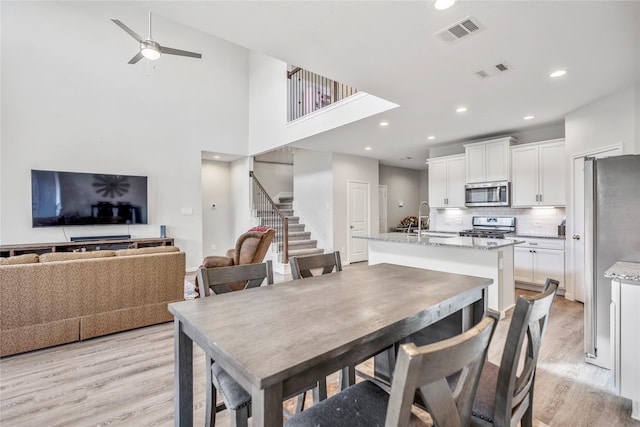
(278, 340)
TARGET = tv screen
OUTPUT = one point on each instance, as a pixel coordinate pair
(72, 198)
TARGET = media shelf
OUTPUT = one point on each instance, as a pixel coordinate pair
(89, 245)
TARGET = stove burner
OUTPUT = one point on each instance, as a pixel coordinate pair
(487, 234)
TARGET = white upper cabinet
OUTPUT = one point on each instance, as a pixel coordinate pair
(446, 181)
(538, 174)
(488, 160)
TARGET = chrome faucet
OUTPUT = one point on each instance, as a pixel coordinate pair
(420, 216)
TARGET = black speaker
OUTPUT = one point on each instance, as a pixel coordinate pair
(163, 231)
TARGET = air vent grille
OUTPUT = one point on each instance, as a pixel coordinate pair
(492, 70)
(459, 30)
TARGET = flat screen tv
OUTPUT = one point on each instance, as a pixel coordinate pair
(73, 198)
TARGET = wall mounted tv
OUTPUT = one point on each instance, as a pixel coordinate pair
(72, 198)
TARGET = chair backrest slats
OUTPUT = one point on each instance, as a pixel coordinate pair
(527, 328)
(301, 266)
(426, 368)
(217, 279)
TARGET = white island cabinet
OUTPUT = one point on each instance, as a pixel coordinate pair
(473, 256)
(625, 331)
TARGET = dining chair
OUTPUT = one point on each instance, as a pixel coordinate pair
(505, 392)
(236, 399)
(303, 267)
(220, 280)
(418, 369)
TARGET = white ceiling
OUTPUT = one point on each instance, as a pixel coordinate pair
(388, 49)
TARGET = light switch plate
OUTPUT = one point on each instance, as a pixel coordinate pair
(187, 211)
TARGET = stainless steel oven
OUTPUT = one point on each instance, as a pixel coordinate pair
(488, 194)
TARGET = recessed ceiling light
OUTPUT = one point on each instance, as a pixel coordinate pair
(461, 109)
(216, 157)
(431, 137)
(367, 148)
(444, 4)
(384, 124)
(529, 117)
(558, 73)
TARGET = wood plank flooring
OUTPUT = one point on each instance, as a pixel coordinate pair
(126, 379)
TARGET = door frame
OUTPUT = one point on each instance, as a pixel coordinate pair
(385, 207)
(368, 210)
(570, 231)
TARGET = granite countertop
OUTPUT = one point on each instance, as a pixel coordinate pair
(450, 240)
(622, 270)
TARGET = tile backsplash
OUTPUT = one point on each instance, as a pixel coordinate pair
(533, 222)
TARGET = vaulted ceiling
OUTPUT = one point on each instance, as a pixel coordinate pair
(389, 49)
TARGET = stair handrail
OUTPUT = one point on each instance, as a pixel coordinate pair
(278, 220)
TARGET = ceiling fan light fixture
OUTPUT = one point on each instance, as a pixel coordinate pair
(150, 49)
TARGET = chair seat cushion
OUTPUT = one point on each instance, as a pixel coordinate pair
(483, 405)
(233, 395)
(361, 405)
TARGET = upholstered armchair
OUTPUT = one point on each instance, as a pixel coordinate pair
(251, 247)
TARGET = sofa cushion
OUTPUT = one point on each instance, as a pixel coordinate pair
(20, 259)
(68, 256)
(149, 250)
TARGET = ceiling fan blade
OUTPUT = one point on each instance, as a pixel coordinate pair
(136, 58)
(171, 51)
(128, 30)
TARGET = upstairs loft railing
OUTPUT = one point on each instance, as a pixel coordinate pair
(309, 92)
(271, 216)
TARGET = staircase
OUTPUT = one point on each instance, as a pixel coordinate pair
(300, 242)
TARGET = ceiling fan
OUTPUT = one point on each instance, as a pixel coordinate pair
(151, 49)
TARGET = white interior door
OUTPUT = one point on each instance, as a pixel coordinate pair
(358, 215)
(382, 206)
(576, 241)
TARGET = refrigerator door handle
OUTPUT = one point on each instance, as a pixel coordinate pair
(590, 294)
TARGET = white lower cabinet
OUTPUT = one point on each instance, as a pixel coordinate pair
(537, 259)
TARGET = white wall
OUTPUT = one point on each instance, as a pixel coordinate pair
(614, 119)
(217, 236)
(276, 178)
(402, 185)
(352, 168)
(241, 196)
(313, 198)
(71, 102)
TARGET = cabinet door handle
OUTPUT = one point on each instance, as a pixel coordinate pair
(576, 237)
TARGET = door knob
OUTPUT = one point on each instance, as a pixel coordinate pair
(351, 226)
(576, 237)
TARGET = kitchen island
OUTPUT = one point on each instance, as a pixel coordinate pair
(490, 258)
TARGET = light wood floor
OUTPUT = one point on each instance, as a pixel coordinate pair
(126, 379)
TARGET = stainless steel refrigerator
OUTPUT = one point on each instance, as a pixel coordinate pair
(612, 233)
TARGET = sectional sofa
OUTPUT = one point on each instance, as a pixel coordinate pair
(58, 298)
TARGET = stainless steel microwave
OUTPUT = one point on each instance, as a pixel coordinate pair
(487, 194)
